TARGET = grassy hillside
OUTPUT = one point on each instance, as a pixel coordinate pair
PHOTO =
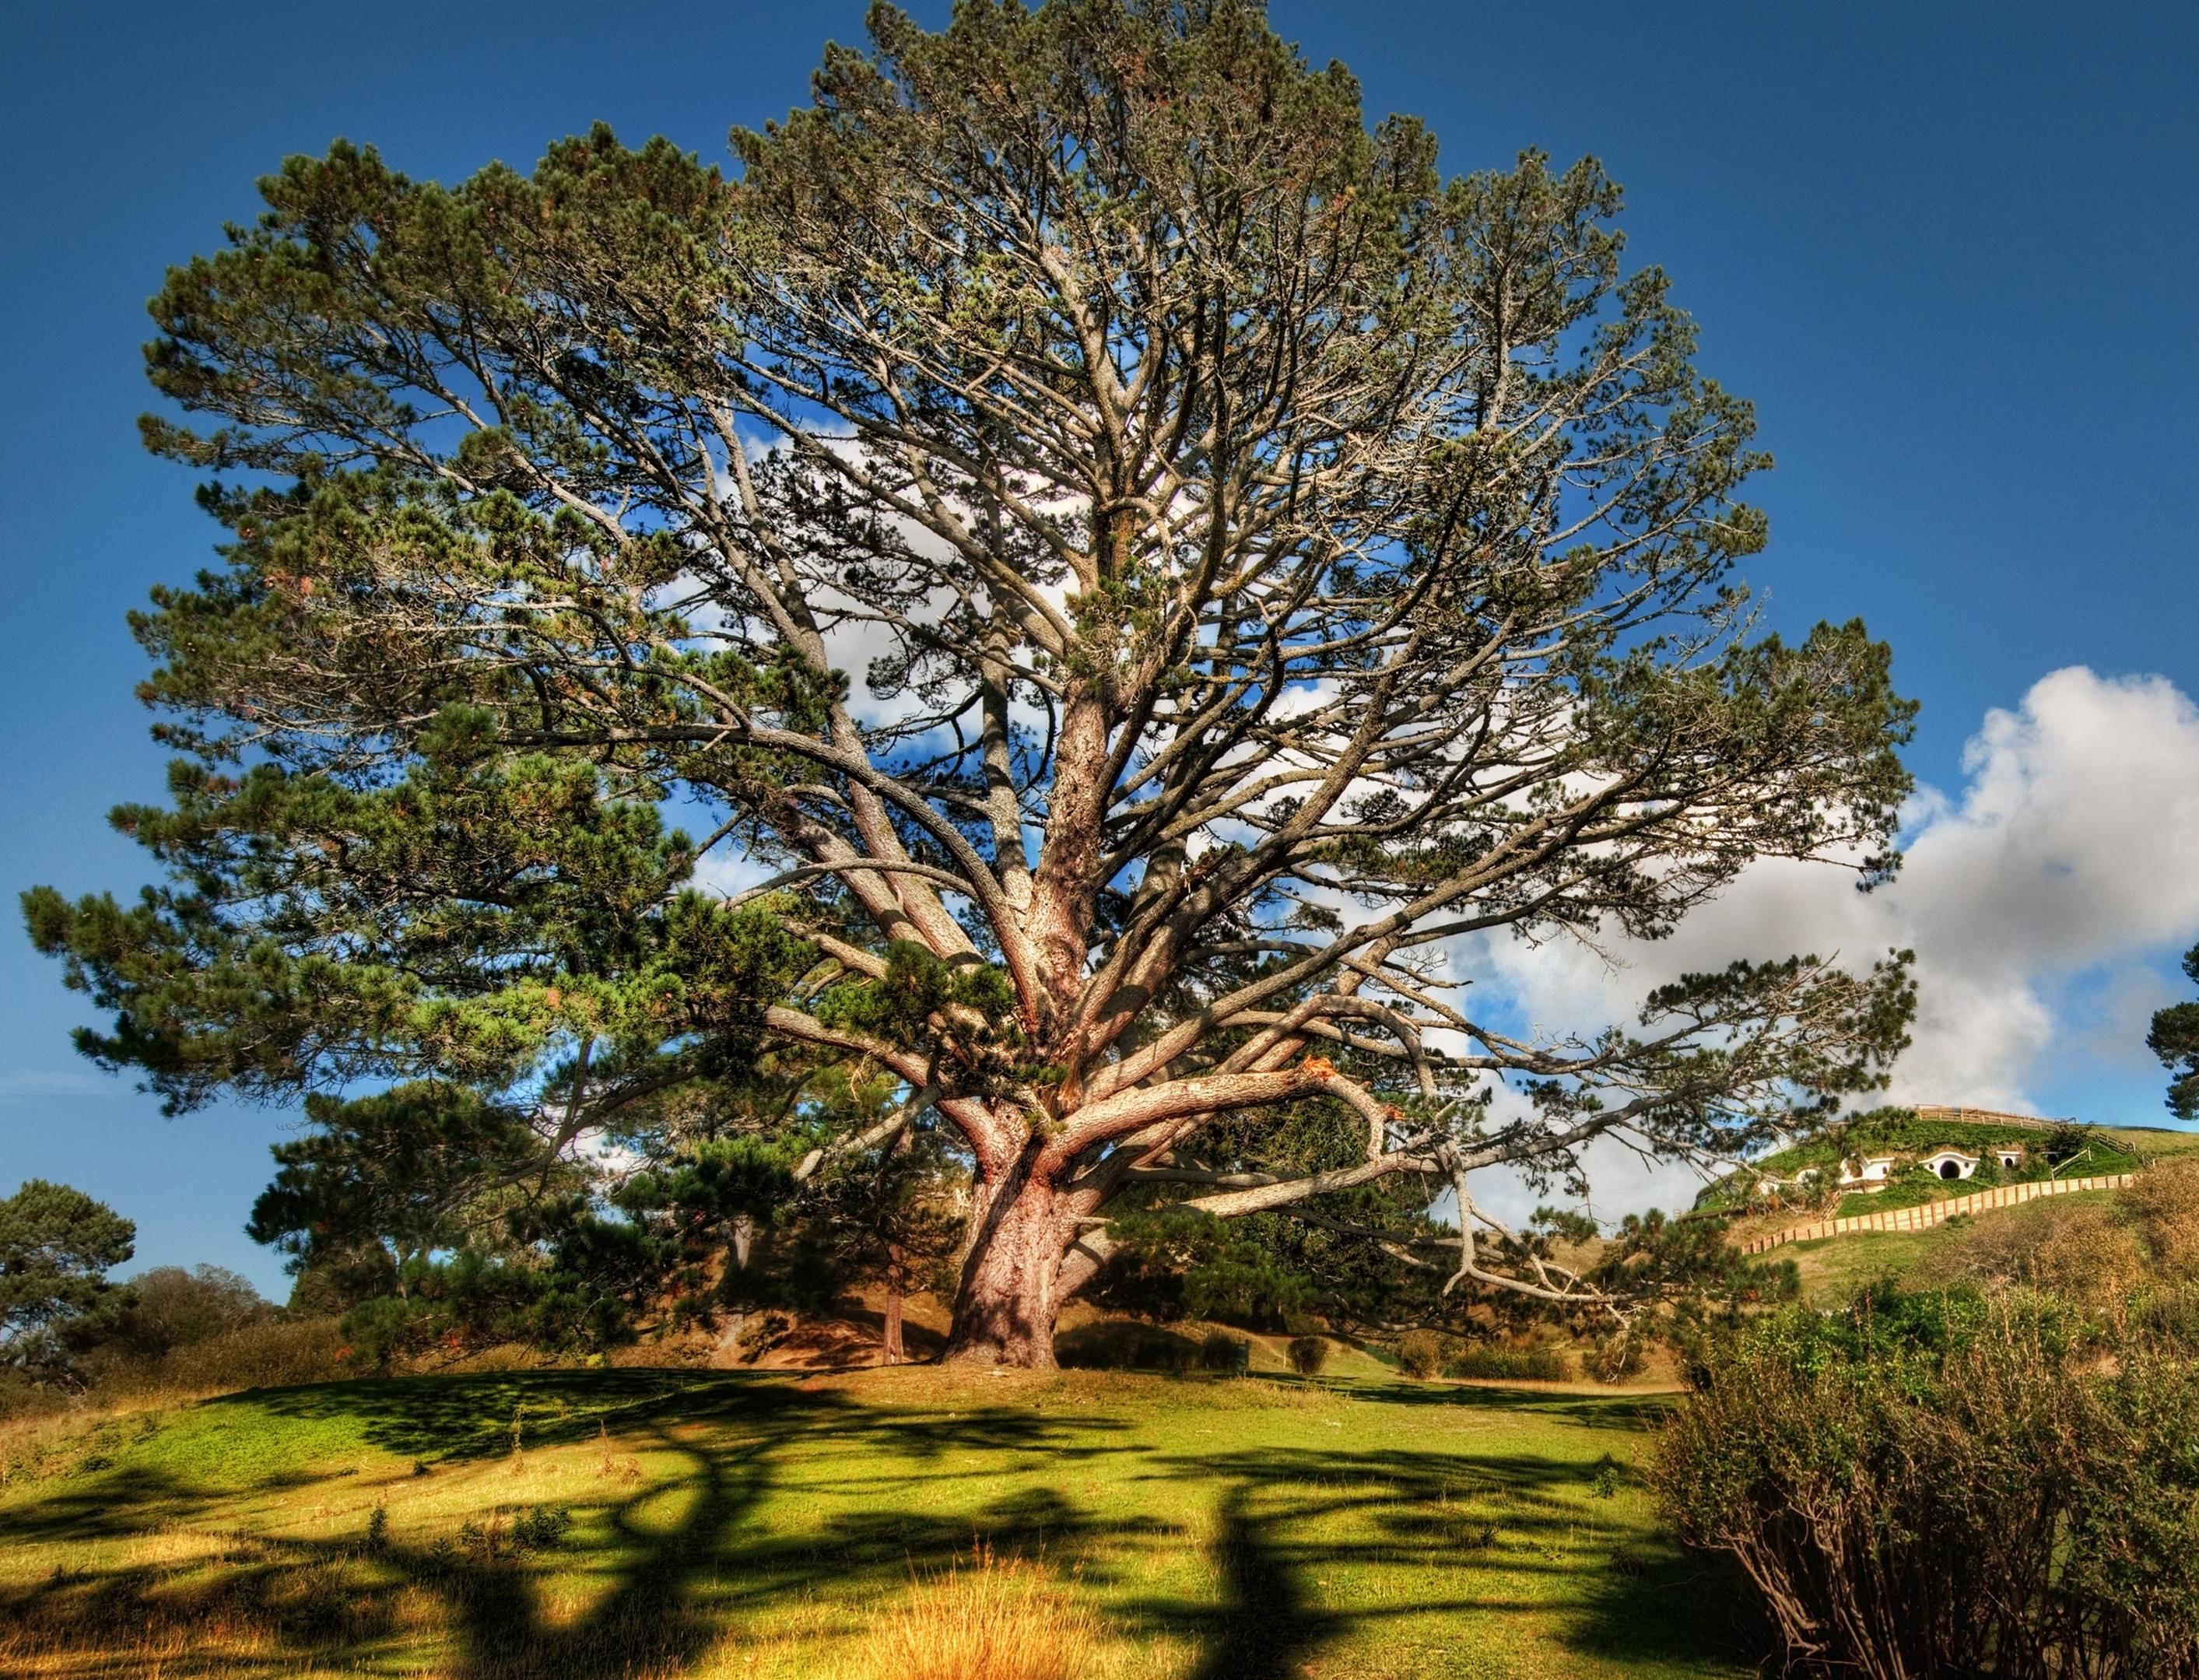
(674, 1524)
(2104, 1149)
(1834, 1267)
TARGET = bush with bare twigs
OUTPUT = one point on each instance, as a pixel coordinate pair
(1308, 1355)
(1952, 1483)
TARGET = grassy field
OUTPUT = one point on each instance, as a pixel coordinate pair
(654, 1523)
(1834, 1267)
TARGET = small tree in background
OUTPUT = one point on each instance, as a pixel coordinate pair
(171, 1308)
(897, 1221)
(56, 1246)
(2175, 1039)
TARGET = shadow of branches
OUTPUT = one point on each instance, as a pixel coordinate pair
(658, 1572)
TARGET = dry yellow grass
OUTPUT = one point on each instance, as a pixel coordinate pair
(991, 1618)
(2165, 1201)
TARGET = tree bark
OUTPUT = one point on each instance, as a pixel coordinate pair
(729, 1335)
(1005, 1304)
(896, 1282)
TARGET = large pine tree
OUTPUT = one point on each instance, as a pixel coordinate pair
(1138, 567)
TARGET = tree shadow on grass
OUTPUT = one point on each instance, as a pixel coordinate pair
(1620, 1410)
(663, 1571)
(1262, 1628)
(1662, 1605)
(1467, 1529)
(667, 1567)
(460, 1417)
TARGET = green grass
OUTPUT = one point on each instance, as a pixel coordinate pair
(2112, 1150)
(1910, 1189)
(755, 1526)
(1834, 1267)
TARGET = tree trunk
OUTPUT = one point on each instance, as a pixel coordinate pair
(897, 1279)
(1005, 1305)
(729, 1334)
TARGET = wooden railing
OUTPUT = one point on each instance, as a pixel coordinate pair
(1929, 1214)
(1985, 1117)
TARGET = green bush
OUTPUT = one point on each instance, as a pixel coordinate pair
(1506, 1364)
(1230, 1355)
(1423, 1353)
(1308, 1355)
(1951, 1483)
(1115, 1345)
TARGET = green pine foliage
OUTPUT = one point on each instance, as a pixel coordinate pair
(2174, 1037)
(56, 1246)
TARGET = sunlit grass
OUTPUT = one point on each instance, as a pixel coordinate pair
(1832, 1269)
(1088, 1526)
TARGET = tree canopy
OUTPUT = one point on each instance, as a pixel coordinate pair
(2174, 1038)
(56, 1246)
(1133, 572)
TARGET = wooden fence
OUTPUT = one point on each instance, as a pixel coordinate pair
(1985, 1117)
(1929, 1214)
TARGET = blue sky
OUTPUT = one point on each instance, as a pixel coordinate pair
(1949, 250)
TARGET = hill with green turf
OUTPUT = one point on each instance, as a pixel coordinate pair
(1804, 1177)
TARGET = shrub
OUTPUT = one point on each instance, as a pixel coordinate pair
(1115, 1345)
(1230, 1355)
(540, 1529)
(1308, 1355)
(1423, 1353)
(272, 1353)
(268, 1349)
(2164, 1202)
(1605, 1477)
(1613, 1358)
(1951, 1483)
(497, 1536)
(167, 1335)
(2081, 1250)
(171, 1308)
(1508, 1364)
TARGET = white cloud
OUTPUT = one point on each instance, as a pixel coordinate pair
(2037, 900)
(724, 872)
(1620, 1179)
(36, 1084)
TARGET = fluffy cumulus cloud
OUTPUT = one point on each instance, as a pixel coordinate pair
(2072, 855)
(2039, 899)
